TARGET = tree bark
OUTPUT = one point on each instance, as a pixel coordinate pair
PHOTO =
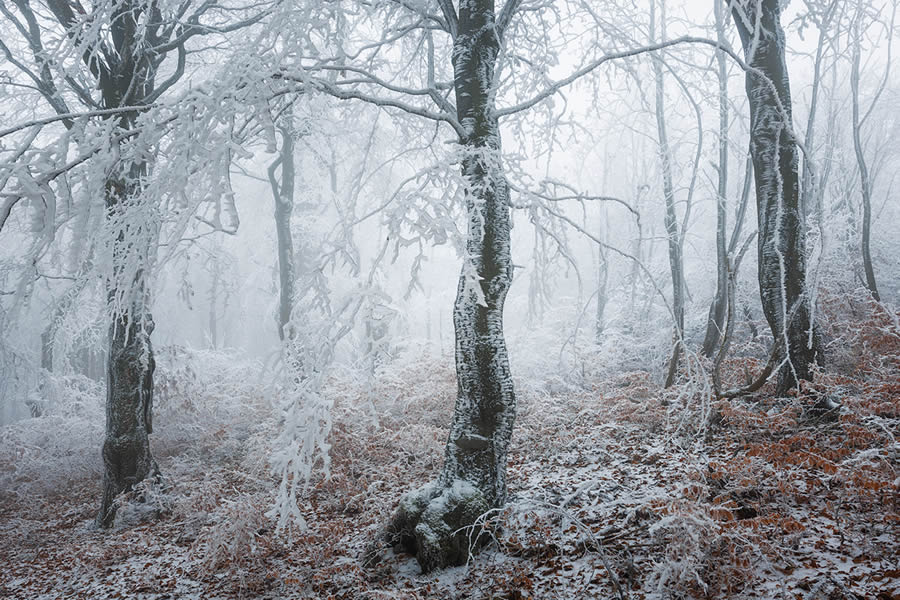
(120, 53)
(432, 522)
(127, 459)
(283, 194)
(781, 247)
(715, 323)
(125, 80)
(676, 261)
(864, 178)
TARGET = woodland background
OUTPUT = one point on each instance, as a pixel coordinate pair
(278, 486)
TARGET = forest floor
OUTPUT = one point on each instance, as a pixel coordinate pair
(618, 489)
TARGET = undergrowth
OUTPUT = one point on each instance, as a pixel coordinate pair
(617, 487)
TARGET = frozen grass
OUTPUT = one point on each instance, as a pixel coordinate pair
(612, 481)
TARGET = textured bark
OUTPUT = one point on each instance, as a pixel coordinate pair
(473, 479)
(782, 255)
(129, 407)
(126, 79)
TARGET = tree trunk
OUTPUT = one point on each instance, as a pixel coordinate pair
(676, 262)
(715, 323)
(283, 194)
(129, 402)
(602, 293)
(130, 364)
(602, 260)
(213, 301)
(126, 80)
(432, 521)
(782, 255)
(864, 179)
(637, 239)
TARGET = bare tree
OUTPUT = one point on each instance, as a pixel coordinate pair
(773, 147)
(283, 194)
(715, 323)
(122, 48)
(432, 523)
(823, 15)
(865, 177)
(673, 233)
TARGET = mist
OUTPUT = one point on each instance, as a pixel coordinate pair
(576, 299)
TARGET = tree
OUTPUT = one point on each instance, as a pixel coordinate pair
(865, 177)
(124, 68)
(673, 234)
(715, 323)
(773, 148)
(823, 15)
(283, 194)
(486, 50)
(431, 522)
(122, 48)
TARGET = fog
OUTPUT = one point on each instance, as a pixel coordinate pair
(144, 177)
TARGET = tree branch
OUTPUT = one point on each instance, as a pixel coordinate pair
(335, 91)
(505, 16)
(559, 85)
(450, 16)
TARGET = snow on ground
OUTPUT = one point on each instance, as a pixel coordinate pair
(617, 489)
